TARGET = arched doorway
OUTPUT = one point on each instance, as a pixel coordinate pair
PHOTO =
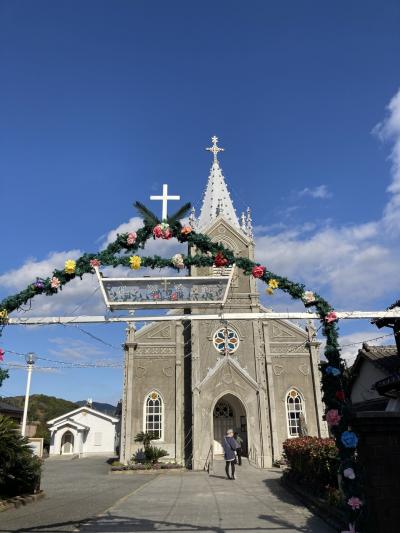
(67, 443)
(229, 413)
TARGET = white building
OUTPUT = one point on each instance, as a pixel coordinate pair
(83, 431)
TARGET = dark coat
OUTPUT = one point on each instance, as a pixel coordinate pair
(230, 446)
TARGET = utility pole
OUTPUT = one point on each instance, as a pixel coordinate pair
(30, 361)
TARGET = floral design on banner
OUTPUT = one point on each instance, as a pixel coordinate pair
(95, 263)
(55, 283)
(186, 230)
(349, 439)
(135, 262)
(333, 417)
(220, 260)
(177, 261)
(308, 297)
(349, 473)
(354, 502)
(120, 253)
(331, 317)
(70, 266)
(332, 371)
(258, 271)
(39, 284)
(340, 395)
(131, 239)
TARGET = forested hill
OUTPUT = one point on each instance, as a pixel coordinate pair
(42, 407)
(105, 408)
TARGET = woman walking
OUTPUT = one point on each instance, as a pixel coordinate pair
(230, 446)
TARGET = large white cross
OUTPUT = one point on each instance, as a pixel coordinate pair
(165, 199)
(215, 149)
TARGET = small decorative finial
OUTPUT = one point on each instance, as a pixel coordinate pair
(215, 149)
(249, 225)
(192, 218)
(243, 223)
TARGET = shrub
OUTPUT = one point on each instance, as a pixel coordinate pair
(313, 462)
(19, 468)
(139, 456)
(153, 454)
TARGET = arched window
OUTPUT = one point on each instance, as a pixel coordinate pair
(154, 415)
(295, 412)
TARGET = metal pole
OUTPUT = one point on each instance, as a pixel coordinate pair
(28, 386)
(30, 361)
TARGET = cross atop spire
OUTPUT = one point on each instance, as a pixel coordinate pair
(214, 148)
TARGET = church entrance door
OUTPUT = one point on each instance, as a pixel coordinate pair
(67, 443)
(229, 413)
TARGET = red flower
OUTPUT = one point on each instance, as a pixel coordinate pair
(258, 271)
(340, 395)
(220, 260)
(331, 317)
(167, 234)
(2, 352)
(158, 231)
(95, 263)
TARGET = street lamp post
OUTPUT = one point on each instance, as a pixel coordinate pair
(30, 361)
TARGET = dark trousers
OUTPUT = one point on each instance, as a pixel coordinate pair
(232, 464)
(239, 456)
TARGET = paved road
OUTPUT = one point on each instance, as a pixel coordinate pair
(76, 490)
(193, 501)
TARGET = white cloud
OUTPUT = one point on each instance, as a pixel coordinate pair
(351, 343)
(321, 192)
(389, 130)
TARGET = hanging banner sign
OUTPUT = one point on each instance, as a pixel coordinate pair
(165, 292)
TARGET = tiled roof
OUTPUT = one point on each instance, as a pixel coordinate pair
(383, 357)
(6, 407)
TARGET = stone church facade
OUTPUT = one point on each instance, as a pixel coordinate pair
(183, 383)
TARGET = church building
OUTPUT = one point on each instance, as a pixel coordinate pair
(188, 382)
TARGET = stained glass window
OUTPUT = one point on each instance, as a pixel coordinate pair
(226, 339)
(294, 408)
(223, 410)
(154, 415)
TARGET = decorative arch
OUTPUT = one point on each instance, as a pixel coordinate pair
(335, 385)
(154, 414)
(295, 407)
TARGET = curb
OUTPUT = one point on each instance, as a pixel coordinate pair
(19, 501)
(150, 472)
(332, 516)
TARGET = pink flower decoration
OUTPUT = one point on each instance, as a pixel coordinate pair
(354, 502)
(331, 317)
(131, 239)
(167, 234)
(2, 352)
(95, 263)
(352, 529)
(258, 271)
(333, 417)
(55, 283)
(349, 473)
(158, 231)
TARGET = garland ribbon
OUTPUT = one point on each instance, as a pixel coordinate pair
(335, 386)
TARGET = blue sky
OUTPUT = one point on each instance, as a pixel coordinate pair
(102, 102)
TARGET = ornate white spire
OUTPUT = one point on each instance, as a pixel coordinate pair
(216, 200)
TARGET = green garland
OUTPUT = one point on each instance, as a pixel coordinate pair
(335, 386)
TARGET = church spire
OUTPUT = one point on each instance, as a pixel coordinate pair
(216, 199)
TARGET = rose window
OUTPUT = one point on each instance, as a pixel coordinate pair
(226, 340)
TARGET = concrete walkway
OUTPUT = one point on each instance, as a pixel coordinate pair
(76, 491)
(194, 501)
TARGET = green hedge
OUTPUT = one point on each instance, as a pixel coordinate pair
(313, 462)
